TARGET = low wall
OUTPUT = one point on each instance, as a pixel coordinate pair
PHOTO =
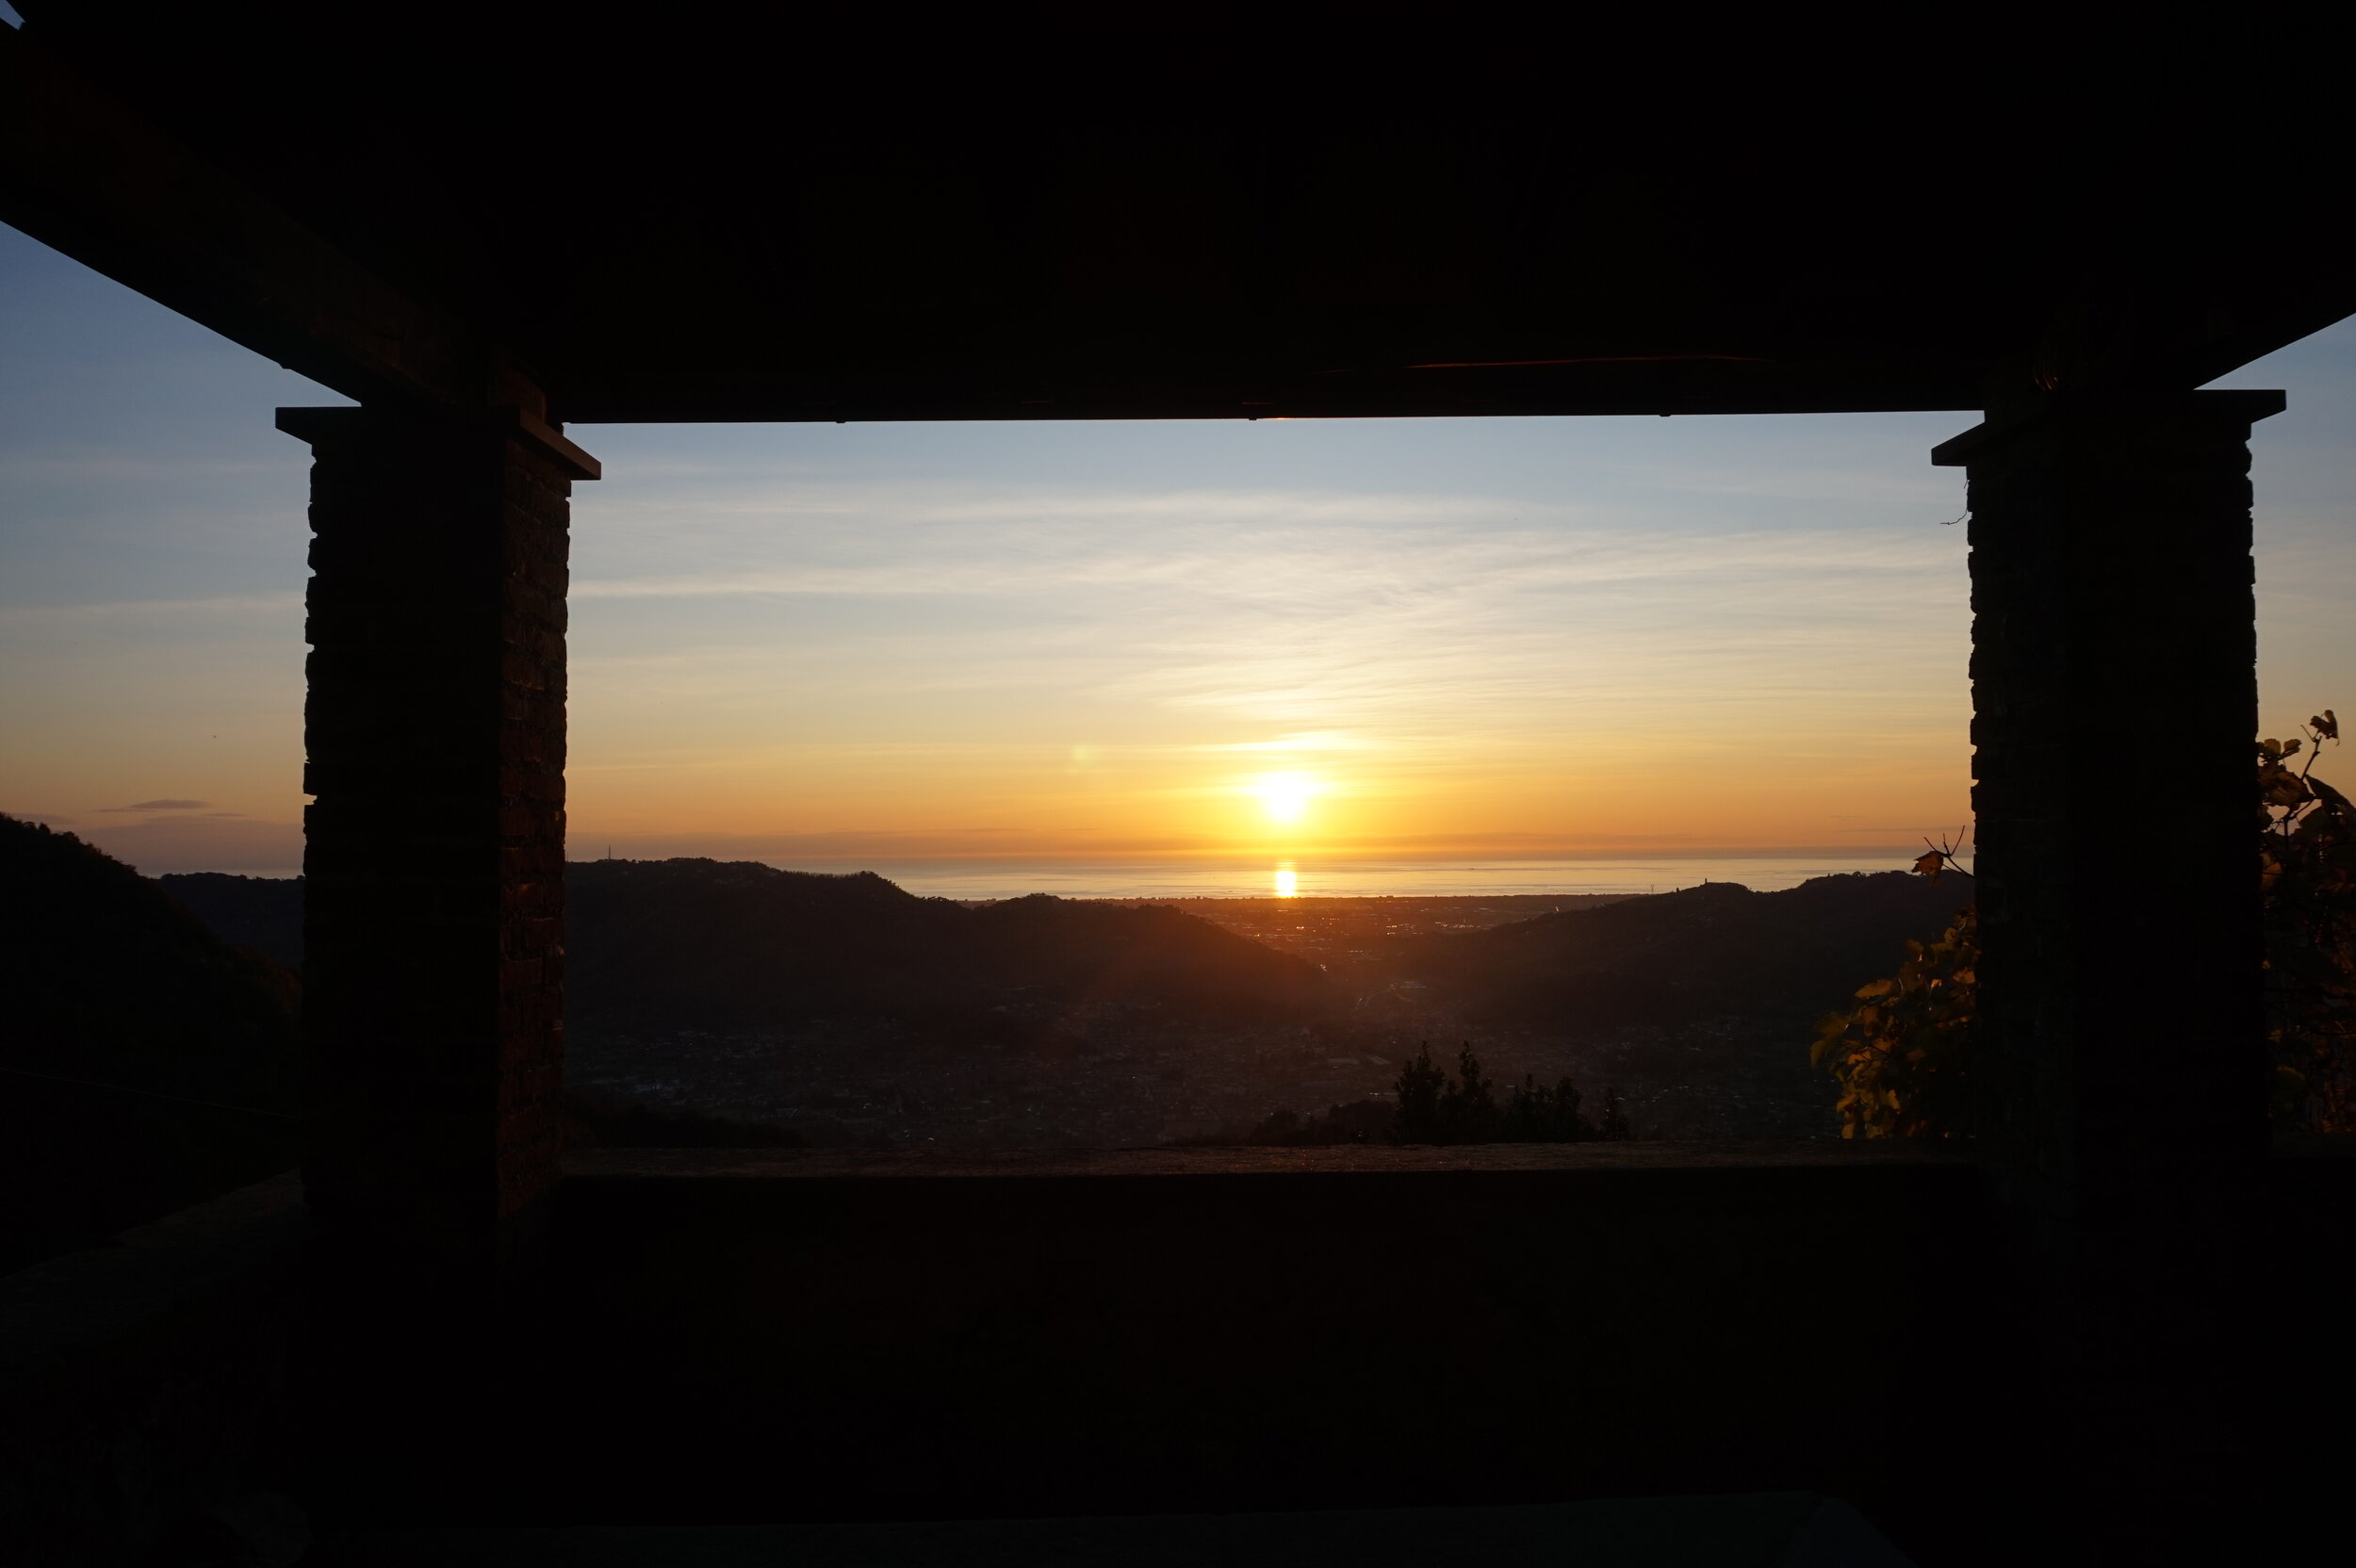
(777, 1337)
(768, 1338)
(151, 1379)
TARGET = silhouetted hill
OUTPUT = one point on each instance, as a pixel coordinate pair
(146, 1064)
(854, 1010)
(1673, 959)
(663, 945)
(692, 943)
(103, 971)
(1086, 953)
(264, 913)
(688, 943)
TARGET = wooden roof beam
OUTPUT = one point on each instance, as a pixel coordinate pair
(84, 174)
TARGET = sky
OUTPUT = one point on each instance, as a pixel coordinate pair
(841, 645)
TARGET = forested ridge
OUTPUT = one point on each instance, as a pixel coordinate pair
(1715, 950)
(667, 944)
(154, 1053)
(145, 1063)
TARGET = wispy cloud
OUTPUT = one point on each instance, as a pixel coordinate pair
(239, 604)
(1310, 745)
(1374, 614)
(1049, 649)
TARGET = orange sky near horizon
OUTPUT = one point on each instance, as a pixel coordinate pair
(1593, 638)
(1298, 797)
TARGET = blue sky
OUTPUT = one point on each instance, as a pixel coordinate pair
(835, 643)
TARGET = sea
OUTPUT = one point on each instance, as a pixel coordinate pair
(977, 880)
(1313, 878)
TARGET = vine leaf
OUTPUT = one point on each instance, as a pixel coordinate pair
(1901, 1052)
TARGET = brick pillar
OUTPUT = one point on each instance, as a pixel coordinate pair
(2119, 1079)
(435, 857)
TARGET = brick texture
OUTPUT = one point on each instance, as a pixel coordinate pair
(435, 922)
(2119, 1087)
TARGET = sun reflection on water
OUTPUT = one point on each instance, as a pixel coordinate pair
(1287, 885)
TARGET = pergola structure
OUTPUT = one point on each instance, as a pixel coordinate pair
(490, 229)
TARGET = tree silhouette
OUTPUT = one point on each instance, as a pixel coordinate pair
(1468, 1107)
(1437, 1108)
(1535, 1114)
(1419, 1087)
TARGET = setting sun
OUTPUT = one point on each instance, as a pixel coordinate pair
(1285, 796)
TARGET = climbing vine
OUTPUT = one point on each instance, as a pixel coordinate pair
(1901, 1053)
(2307, 866)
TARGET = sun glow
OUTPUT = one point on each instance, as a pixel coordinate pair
(1285, 796)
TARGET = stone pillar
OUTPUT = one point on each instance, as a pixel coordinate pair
(2120, 1077)
(435, 857)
